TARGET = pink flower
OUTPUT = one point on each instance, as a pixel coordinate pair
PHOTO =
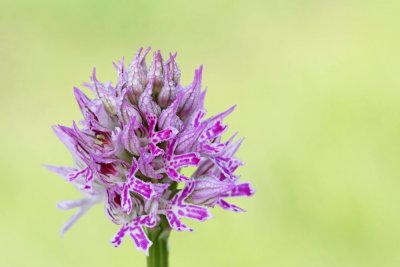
(136, 137)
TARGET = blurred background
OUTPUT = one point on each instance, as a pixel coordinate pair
(318, 91)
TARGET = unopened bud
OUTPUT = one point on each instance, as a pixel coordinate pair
(156, 70)
(137, 76)
(127, 111)
(191, 96)
(168, 91)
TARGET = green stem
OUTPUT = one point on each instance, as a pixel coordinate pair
(158, 253)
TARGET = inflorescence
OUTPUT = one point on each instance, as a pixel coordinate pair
(133, 142)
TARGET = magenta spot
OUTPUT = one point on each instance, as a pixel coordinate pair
(107, 168)
(117, 200)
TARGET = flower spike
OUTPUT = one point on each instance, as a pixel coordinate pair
(134, 145)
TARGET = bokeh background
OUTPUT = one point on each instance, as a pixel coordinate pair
(318, 91)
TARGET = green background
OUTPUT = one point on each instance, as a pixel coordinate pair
(318, 91)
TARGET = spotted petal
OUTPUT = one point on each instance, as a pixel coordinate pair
(228, 206)
(176, 223)
(179, 161)
(240, 190)
(140, 239)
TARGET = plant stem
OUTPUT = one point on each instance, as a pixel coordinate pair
(158, 253)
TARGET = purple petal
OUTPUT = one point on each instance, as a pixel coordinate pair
(213, 131)
(89, 179)
(126, 201)
(132, 183)
(155, 151)
(240, 190)
(140, 239)
(227, 165)
(142, 188)
(113, 205)
(134, 167)
(176, 223)
(164, 135)
(189, 159)
(183, 194)
(170, 149)
(228, 206)
(212, 148)
(174, 175)
(151, 120)
(160, 188)
(178, 161)
(222, 165)
(84, 172)
(198, 117)
(117, 240)
(148, 220)
(179, 209)
(233, 164)
(194, 212)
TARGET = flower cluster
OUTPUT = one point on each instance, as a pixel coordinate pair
(135, 138)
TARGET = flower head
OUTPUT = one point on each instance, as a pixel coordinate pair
(136, 137)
